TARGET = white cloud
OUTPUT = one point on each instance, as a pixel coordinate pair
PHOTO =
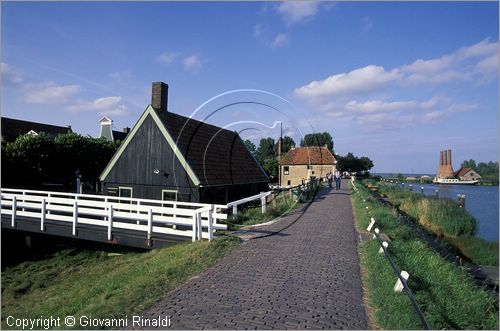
(280, 40)
(382, 122)
(376, 106)
(10, 75)
(192, 63)
(473, 64)
(434, 116)
(49, 93)
(258, 30)
(488, 65)
(103, 106)
(364, 79)
(293, 12)
(367, 24)
(120, 76)
(167, 57)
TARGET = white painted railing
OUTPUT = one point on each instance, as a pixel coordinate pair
(195, 220)
(261, 196)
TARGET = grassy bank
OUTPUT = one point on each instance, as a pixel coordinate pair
(446, 220)
(100, 285)
(446, 294)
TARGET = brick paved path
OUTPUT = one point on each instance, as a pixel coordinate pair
(305, 277)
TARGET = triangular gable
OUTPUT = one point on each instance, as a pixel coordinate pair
(150, 111)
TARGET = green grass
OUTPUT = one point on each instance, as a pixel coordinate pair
(253, 215)
(445, 219)
(446, 294)
(93, 283)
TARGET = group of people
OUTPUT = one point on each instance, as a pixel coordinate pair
(336, 176)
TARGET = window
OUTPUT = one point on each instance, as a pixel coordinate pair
(288, 183)
(125, 192)
(113, 191)
(169, 195)
(286, 170)
(309, 167)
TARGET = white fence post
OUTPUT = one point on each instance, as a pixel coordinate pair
(377, 231)
(150, 223)
(42, 217)
(110, 221)
(385, 244)
(263, 201)
(199, 227)
(138, 204)
(399, 285)
(210, 225)
(75, 217)
(14, 208)
(194, 227)
(235, 210)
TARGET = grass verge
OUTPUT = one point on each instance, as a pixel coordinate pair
(102, 286)
(446, 220)
(446, 294)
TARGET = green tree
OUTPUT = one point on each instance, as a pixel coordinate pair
(286, 144)
(267, 157)
(31, 161)
(317, 139)
(250, 147)
(469, 164)
(352, 163)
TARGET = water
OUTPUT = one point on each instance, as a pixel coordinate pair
(480, 201)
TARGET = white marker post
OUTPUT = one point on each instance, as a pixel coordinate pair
(386, 245)
(399, 285)
(369, 228)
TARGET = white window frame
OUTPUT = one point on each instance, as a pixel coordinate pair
(131, 189)
(170, 191)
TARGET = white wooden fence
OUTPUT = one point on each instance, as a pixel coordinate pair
(195, 220)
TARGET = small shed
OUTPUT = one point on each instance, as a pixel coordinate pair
(167, 156)
(302, 163)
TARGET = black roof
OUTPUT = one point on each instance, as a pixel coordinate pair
(217, 156)
(119, 135)
(13, 128)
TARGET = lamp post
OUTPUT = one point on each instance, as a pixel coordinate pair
(78, 181)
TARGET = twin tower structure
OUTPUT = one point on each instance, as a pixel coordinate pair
(445, 169)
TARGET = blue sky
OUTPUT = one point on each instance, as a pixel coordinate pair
(396, 82)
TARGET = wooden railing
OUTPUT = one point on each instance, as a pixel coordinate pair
(195, 220)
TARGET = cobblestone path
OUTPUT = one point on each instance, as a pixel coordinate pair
(305, 277)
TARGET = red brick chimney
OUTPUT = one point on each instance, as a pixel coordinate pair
(159, 96)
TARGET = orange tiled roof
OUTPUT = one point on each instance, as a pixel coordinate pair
(308, 155)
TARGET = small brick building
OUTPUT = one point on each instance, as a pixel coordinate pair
(302, 163)
(467, 174)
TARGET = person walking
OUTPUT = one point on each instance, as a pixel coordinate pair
(329, 176)
(337, 179)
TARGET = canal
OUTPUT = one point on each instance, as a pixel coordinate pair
(481, 202)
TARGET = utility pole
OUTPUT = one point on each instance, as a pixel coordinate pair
(279, 153)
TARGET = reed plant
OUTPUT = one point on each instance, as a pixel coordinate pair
(445, 219)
